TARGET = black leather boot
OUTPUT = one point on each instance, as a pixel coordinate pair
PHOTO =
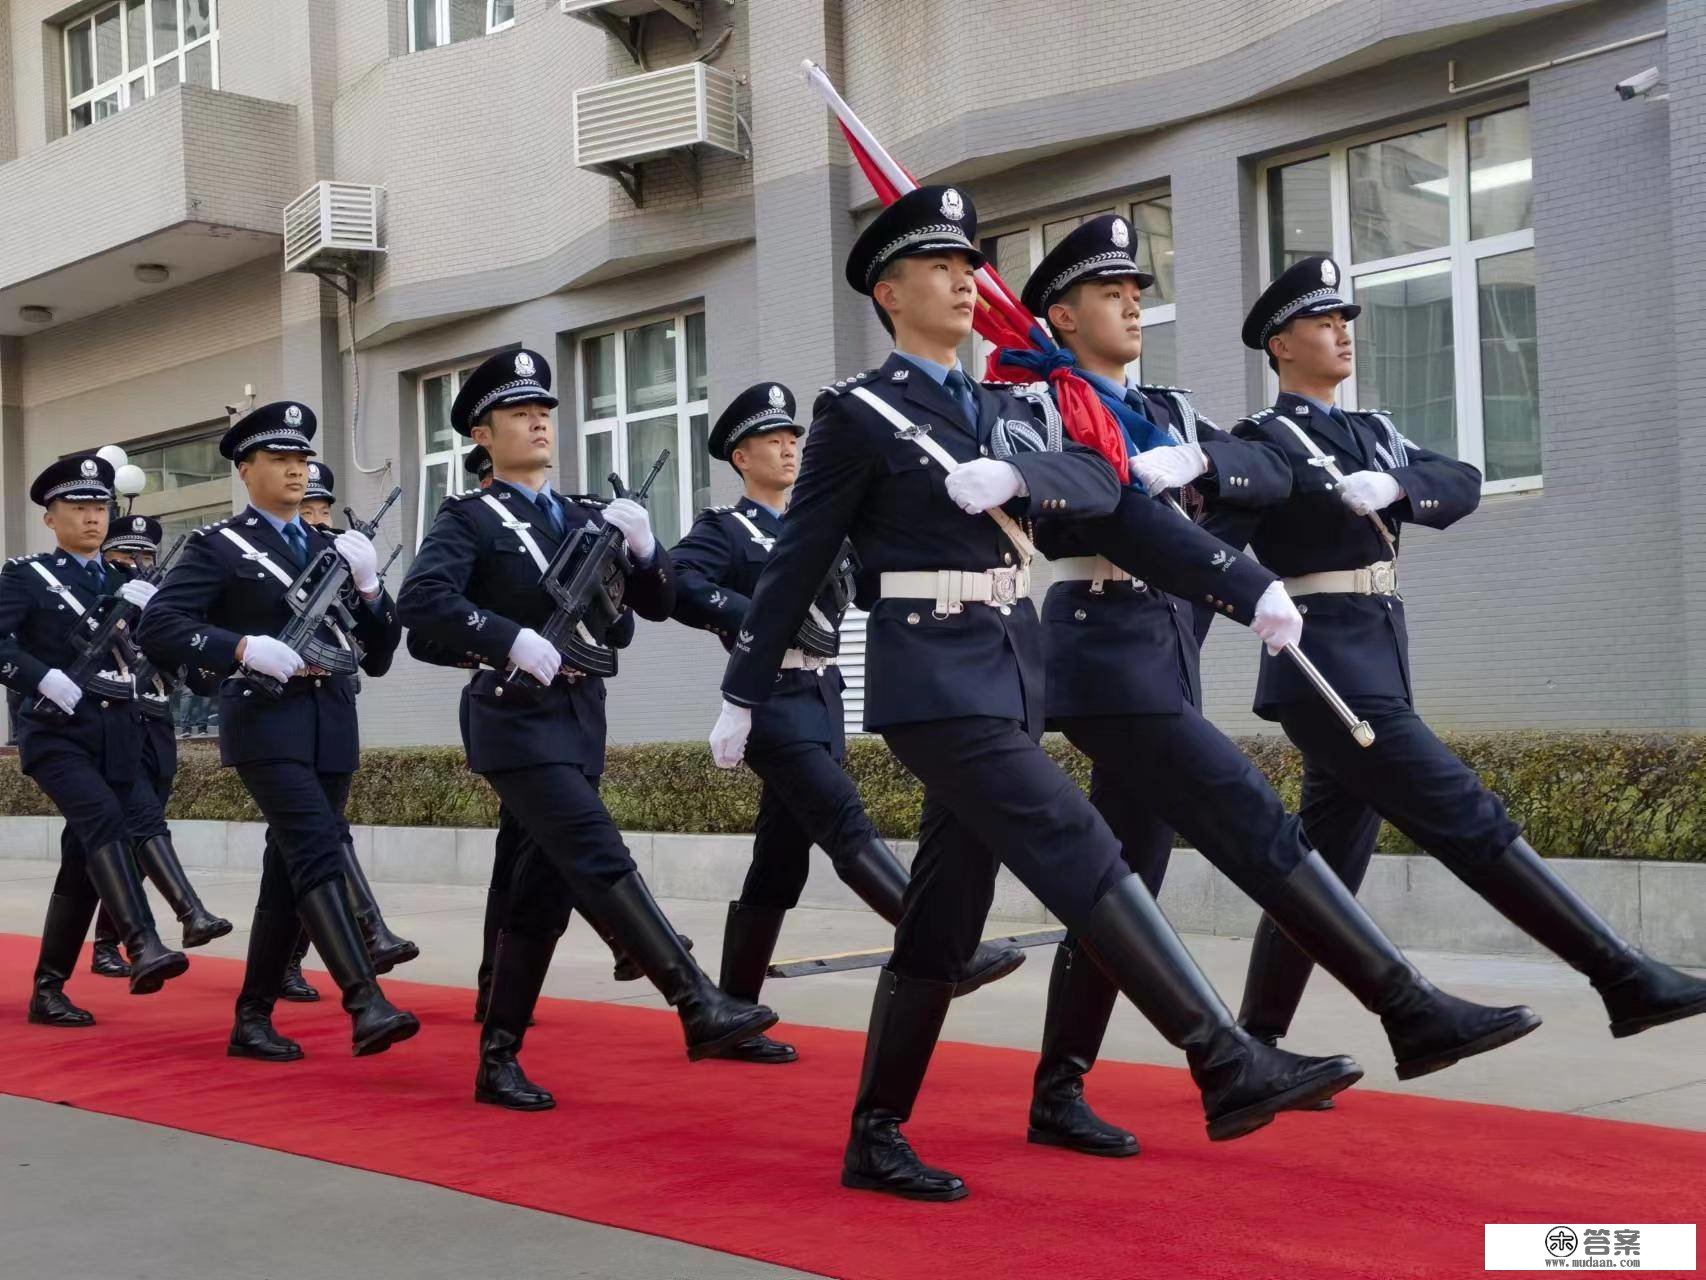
(152, 963)
(1639, 992)
(497, 907)
(295, 988)
(711, 1021)
(1080, 1001)
(158, 860)
(1244, 1082)
(384, 948)
(1428, 1029)
(874, 873)
(625, 970)
(61, 939)
(272, 939)
(906, 1019)
(375, 1023)
(518, 973)
(749, 940)
(105, 959)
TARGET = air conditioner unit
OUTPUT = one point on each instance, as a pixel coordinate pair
(331, 227)
(679, 109)
(621, 18)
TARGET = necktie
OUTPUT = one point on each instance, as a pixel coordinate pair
(97, 575)
(297, 541)
(958, 386)
(548, 506)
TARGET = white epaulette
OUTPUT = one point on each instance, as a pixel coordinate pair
(34, 555)
(464, 495)
(212, 527)
(727, 506)
(1255, 417)
(844, 385)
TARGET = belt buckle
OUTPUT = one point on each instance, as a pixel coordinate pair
(1003, 586)
(1383, 578)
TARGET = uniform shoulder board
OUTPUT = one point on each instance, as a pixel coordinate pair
(717, 511)
(1261, 415)
(210, 527)
(34, 555)
(464, 496)
(843, 385)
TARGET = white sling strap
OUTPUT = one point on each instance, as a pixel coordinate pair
(520, 529)
(1325, 461)
(906, 429)
(266, 562)
(763, 539)
(55, 585)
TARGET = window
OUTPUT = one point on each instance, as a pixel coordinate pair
(123, 54)
(443, 448)
(436, 22)
(643, 388)
(1435, 230)
(1015, 251)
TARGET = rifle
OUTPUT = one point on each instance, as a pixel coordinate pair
(589, 573)
(103, 636)
(317, 596)
(820, 635)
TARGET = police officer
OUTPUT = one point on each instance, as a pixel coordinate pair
(798, 741)
(1335, 543)
(219, 612)
(1123, 685)
(475, 592)
(956, 689)
(131, 547)
(82, 743)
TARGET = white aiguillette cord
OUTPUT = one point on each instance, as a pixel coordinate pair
(1326, 464)
(917, 435)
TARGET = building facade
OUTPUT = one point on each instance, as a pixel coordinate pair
(1527, 246)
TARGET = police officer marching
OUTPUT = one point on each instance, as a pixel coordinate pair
(81, 742)
(1124, 687)
(476, 593)
(931, 475)
(132, 546)
(798, 740)
(1357, 481)
(288, 728)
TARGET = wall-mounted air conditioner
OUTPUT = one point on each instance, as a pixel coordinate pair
(621, 19)
(680, 109)
(331, 227)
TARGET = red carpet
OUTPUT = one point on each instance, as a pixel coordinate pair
(744, 1159)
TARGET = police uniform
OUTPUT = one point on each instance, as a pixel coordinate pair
(1124, 687)
(88, 761)
(798, 740)
(955, 677)
(156, 857)
(295, 751)
(474, 589)
(1342, 569)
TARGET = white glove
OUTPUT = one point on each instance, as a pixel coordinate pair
(138, 592)
(363, 561)
(729, 735)
(984, 483)
(1277, 620)
(636, 526)
(1366, 492)
(61, 690)
(1169, 467)
(271, 657)
(536, 655)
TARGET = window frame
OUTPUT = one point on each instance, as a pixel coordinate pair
(1462, 253)
(1154, 314)
(685, 410)
(457, 479)
(122, 86)
(441, 23)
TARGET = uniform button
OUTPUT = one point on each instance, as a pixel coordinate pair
(983, 449)
(912, 619)
(1005, 610)
(1303, 608)
(246, 692)
(105, 703)
(317, 683)
(923, 461)
(1080, 614)
(1006, 557)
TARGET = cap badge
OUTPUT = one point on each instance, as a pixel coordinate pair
(1329, 273)
(293, 416)
(1118, 233)
(313, 470)
(89, 468)
(953, 205)
(777, 399)
(139, 524)
(524, 365)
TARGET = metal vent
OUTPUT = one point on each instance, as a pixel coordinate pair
(622, 122)
(331, 226)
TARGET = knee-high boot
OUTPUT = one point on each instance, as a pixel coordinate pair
(152, 963)
(518, 974)
(1080, 1001)
(272, 939)
(375, 1023)
(295, 988)
(749, 940)
(158, 860)
(61, 939)
(105, 958)
(384, 948)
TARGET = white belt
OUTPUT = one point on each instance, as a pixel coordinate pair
(952, 589)
(1380, 579)
(1096, 570)
(800, 660)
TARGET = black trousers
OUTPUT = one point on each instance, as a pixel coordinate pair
(1146, 841)
(569, 841)
(304, 810)
(1191, 777)
(807, 799)
(97, 812)
(992, 797)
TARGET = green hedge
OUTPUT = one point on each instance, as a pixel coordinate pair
(1599, 795)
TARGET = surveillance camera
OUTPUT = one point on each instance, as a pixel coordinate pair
(1638, 85)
